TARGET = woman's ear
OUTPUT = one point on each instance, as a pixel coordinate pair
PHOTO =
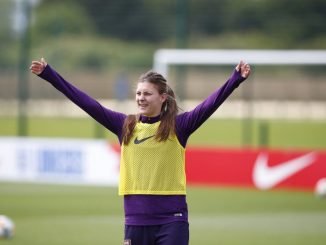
(164, 97)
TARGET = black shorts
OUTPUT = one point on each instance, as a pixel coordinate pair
(175, 233)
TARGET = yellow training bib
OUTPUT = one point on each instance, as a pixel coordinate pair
(152, 167)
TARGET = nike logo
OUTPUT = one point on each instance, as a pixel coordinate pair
(266, 177)
(137, 141)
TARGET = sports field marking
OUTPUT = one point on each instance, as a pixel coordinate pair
(312, 223)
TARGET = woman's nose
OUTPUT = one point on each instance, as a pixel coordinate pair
(141, 97)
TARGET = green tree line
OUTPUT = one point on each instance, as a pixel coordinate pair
(147, 20)
(100, 33)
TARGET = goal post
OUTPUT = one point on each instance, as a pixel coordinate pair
(163, 58)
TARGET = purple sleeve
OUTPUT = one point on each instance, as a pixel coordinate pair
(188, 122)
(112, 120)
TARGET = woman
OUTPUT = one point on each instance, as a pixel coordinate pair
(153, 141)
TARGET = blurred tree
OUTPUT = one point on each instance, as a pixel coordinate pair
(301, 19)
(55, 19)
(208, 17)
(7, 46)
(147, 23)
(133, 19)
(5, 9)
(291, 20)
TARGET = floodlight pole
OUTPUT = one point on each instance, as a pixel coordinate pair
(181, 43)
(23, 70)
(181, 23)
(247, 123)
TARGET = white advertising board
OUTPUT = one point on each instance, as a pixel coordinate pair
(66, 161)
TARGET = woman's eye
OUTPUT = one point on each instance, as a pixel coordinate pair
(144, 94)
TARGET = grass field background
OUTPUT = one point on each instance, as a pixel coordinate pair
(59, 214)
(48, 214)
(215, 132)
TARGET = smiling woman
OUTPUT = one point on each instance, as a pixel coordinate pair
(153, 142)
(154, 98)
(149, 100)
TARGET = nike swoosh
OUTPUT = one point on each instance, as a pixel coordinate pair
(266, 177)
(137, 141)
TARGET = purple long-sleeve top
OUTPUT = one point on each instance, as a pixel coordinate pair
(148, 209)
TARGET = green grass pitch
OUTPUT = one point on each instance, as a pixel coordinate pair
(58, 214)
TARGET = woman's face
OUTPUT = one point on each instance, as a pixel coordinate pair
(148, 99)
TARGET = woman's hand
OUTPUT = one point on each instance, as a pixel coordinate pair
(37, 67)
(244, 69)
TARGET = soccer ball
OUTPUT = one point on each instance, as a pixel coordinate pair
(7, 227)
(320, 189)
